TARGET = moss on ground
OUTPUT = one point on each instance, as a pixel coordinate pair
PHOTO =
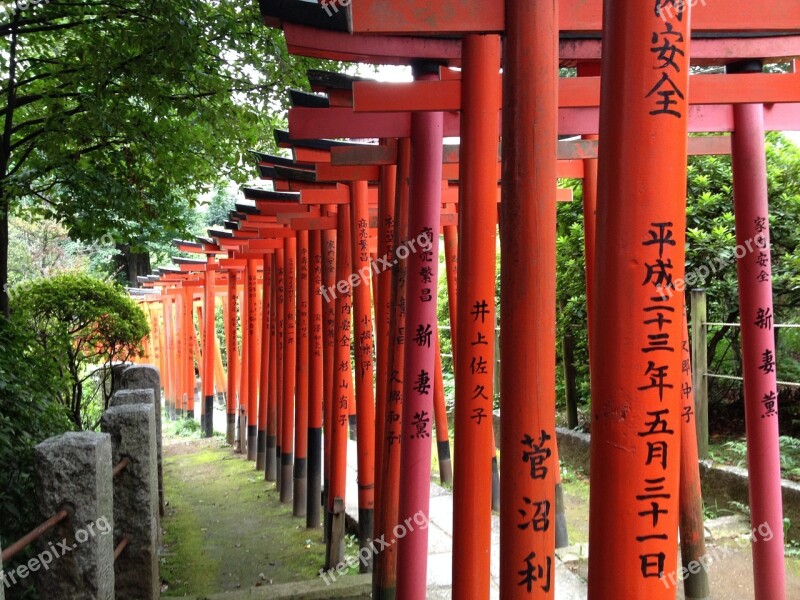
(225, 527)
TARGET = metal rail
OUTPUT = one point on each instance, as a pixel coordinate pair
(40, 530)
(123, 543)
(737, 378)
(36, 533)
(776, 325)
(120, 466)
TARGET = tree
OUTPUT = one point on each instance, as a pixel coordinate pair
(120, 112)
(222, 202)
(79, 324)
(40, 248)
(711, 240)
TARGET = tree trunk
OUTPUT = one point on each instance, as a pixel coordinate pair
(4, 303)
(570, 374)
(5, 159)
(133, 264)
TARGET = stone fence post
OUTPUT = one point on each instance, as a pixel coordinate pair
(73, 470)
(133, 437)
(147, 377)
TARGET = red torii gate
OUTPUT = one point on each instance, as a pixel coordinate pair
(531, 43)
(444, 12)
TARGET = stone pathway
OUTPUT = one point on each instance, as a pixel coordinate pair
(440, 543)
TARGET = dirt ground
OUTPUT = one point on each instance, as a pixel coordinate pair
(225, 528)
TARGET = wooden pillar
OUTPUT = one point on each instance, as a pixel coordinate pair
(472, 484)
(170, 354)
(384, 579)
(280, 319)
(754, 270)
(342, 391)
(528, 276)
(423, 267)
(700, 368)
(693, 544)
(263, 365)
(232, 351)
(252, 357)
(209, 335)
(315, 382)
(289, 366)
(636, 375)
(383, 312)
(301, 380)
(271, 460)
(364, 377)
(328, 361)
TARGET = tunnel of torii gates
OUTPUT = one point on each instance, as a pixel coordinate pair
(340, 258)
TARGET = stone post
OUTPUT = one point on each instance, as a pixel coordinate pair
(74, 470)
(144, 396)
(140, 377)
(133, 436)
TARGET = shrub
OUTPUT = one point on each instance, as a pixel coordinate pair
(28, 415)
(79, 324)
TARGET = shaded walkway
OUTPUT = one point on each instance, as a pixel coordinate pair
(225, 528)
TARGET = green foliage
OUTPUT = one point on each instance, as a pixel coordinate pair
(711, 240)
(124, 112)
(571, 316)
(187, 428)
(734, 452)
(222, 202)
(28, 415)
(41, 248)
(78, 324)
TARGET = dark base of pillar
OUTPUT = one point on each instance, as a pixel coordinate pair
(300, 496)
(277, 462)
(287, 477)
(495, 485)
(271, 462)
(241, 428)
(171, 410)
(353, 428)
(261, 449)
(252, 437)
(562, 536)
(366, 525)
(314, 496)
(230, 431)
(326, 524)
(334, 550)
(445, 465)
(208, 424)
(382, 593)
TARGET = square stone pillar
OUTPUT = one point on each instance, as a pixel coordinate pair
(141, 377)
(133, 436)
(73, 470)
